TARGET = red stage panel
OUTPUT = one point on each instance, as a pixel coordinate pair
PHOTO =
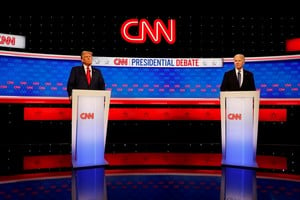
(46, 161)
(38, 113)
(144, 159)
(274, 115)
(164, 114)
(293, 44)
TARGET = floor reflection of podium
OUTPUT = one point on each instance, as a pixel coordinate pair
(238, 183)
(89, 183)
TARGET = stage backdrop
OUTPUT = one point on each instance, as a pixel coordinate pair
(46, 75)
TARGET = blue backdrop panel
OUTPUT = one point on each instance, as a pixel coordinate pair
(25, 76)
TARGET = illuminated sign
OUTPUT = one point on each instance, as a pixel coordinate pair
(155, 33)
(157, 62)
(15, 41)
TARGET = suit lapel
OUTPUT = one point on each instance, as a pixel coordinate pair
(235, 79)
(245, 77)
(93, 74)
(82, 72)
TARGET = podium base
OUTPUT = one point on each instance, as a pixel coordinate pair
(105, 163)
(248, 165)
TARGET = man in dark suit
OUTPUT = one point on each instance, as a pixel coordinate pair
(238, 79)
(78, 78)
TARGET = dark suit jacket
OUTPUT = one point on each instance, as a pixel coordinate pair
(77, 80)
(230, 82)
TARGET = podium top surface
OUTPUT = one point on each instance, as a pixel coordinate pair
(254, 94)
(79, 92)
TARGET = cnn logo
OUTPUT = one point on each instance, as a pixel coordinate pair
(86, 115)
(234, 116)
(144, 28)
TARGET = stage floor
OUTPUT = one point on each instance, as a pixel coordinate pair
(152, 176)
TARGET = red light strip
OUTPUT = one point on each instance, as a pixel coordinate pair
(142, 101)
(127, 159)
(38, 113)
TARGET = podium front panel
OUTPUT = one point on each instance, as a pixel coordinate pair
(239, 122)
(239, 129)
(89, 123)
(90, 130)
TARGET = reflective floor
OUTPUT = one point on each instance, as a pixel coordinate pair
(152, 183)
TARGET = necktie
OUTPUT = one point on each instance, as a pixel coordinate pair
(239, 78)
(88, 75)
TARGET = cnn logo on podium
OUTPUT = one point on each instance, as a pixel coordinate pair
(234, 116)
(86, 115)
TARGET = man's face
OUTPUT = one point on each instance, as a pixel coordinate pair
(87, 58)
(239, 61)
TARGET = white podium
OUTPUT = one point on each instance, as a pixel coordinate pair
(239, 124)
(89, 125)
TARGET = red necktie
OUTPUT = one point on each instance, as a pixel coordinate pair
(88, 75)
